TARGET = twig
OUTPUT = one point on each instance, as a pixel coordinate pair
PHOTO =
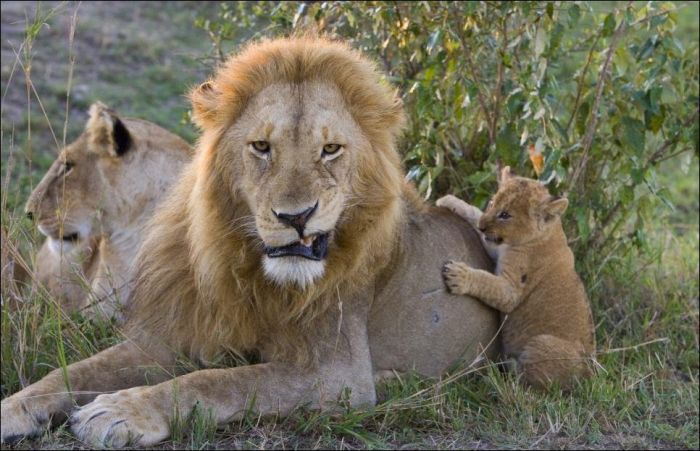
(655, 158)
(477, 83)
(591, 127)
(581, 81)
(635, 347)
(496, 107)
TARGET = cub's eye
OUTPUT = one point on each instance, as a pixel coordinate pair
(504, 215)
(67, 167)
(331, 151)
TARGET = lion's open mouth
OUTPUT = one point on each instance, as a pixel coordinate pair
(312, 247)
(493, 238)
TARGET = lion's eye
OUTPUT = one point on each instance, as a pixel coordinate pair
(504, 215)
(261, 149)
(67, 167)
(331, 151)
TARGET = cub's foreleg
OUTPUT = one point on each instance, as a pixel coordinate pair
(546, 359)
(495, 291)
(472, 215)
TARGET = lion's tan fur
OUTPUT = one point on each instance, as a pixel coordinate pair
(203, 285)
(107, 198)
(223, 299)
(549, 327)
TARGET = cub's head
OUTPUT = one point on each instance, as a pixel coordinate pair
(522, 210)
(301, 135)
(67, 200)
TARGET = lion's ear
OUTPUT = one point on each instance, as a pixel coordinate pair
(204, 102)
(554, 207)
(504, 175)
(107, 134)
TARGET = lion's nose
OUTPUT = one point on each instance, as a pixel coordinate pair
(296, 220)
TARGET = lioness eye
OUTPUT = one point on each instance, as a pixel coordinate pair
(261, 146)
(504, 215)
(331, 151)
(67, 166)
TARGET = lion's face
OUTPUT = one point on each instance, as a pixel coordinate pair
(298, 148)
(522, 210)
(64, 203)
(84, 182)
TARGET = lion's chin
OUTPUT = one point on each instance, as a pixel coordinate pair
(294, 270)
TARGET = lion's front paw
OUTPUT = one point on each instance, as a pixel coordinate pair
(457, 277)
(18, 420)
(115, 420)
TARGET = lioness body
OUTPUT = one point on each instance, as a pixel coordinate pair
(549, 326)
(292, 235)
(93, 204)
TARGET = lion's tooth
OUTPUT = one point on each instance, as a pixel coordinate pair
(307, 241)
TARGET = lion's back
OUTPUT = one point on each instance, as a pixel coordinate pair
(415, 323)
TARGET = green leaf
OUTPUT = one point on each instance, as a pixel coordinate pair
(654, 121)
(608, 25)
(574, 14)
(631, 134)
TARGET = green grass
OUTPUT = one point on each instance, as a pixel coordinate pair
(140, 61)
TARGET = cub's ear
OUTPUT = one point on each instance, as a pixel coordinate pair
(106, 133)
(204, 104)
(554, 207)
(504, 175)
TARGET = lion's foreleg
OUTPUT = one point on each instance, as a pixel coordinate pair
(28, 412)
(143, 415)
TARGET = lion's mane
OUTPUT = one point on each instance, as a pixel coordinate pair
(200, 284)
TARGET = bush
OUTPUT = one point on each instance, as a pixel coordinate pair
(589, 103)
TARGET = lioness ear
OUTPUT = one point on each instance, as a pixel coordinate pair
(106, 132)
(203, 99)
(554, 207)
(505, 174)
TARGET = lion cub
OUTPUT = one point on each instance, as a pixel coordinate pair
(549, 329)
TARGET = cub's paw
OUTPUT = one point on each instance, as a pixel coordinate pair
(119, 419)
(451, 202)
(457, 276)
(460, 208)
(18, 420)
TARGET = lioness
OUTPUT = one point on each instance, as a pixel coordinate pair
(291, 235)
(549, 329)
(93, 204)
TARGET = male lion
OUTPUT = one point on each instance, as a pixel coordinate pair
(292, 236)
(93, 203)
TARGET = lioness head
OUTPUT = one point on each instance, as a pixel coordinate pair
(304, 130)
(115, 171)
(66, 202)
(521, 210)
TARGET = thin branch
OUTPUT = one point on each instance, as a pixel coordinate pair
(581, 81)
(477, 83)
(635, 347)
(591, 127)
(656, 157)
(496, 107)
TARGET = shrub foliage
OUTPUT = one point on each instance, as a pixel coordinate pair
(589, 102)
